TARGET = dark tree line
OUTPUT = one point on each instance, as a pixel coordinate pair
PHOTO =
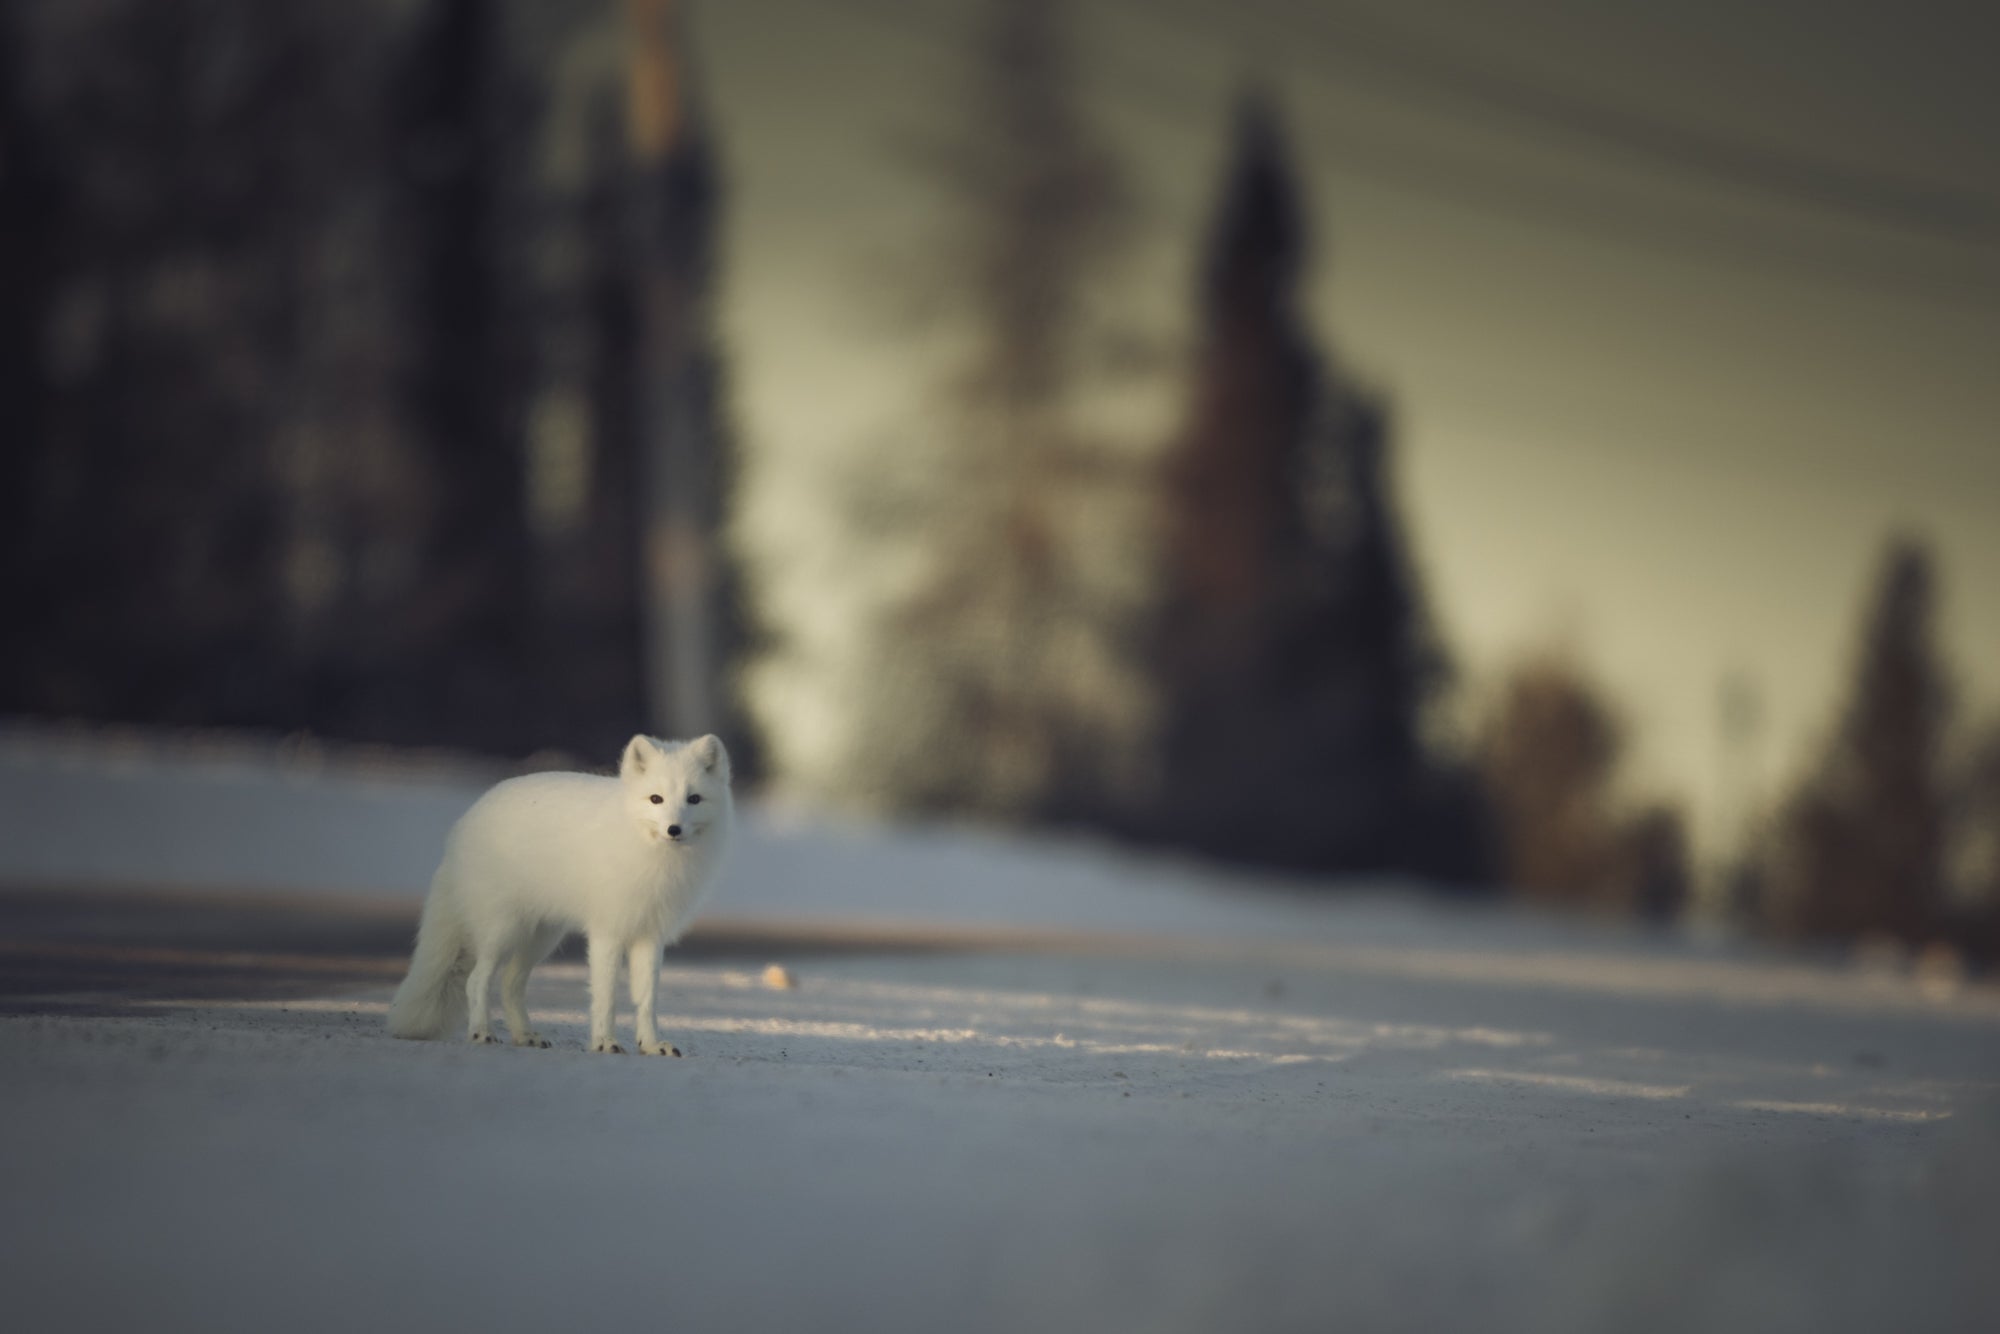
(357, 375)
(324, 368)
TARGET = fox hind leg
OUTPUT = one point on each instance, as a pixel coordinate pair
(479, 1000)
(514, 985)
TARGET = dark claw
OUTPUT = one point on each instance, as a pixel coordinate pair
(543, 1043)
(673, 1051)
(617, 1050)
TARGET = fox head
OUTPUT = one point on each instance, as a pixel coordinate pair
(677, 791)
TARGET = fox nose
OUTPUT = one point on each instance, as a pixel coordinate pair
(673, 831)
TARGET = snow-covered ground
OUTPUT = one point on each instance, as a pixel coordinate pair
(1095, 1091)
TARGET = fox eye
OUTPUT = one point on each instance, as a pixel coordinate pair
(657, 798)
(694, 798)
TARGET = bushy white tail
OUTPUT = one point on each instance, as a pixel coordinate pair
(431, 1001)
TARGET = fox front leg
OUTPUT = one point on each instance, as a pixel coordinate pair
(643, 963)
(603, 991)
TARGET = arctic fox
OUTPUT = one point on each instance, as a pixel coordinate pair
(625, 860)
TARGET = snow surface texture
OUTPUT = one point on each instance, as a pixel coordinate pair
(1156, 1104)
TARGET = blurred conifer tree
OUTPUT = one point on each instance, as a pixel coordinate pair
(1860, 847)
(1005, 685)
(1297, 665)
(1548, 758)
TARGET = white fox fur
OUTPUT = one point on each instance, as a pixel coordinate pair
(625, 860)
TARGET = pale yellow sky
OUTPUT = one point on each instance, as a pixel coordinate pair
(1669, 415)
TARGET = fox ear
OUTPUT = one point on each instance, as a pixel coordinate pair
(640, 753)
(708, 751)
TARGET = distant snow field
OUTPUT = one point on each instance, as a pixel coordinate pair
(1154, 1096)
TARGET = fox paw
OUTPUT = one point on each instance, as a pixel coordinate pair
(482, 1039)
(530, 1038)
(607, 1045)
(661, 1048)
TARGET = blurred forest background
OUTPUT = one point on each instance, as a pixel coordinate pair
(361, 376)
